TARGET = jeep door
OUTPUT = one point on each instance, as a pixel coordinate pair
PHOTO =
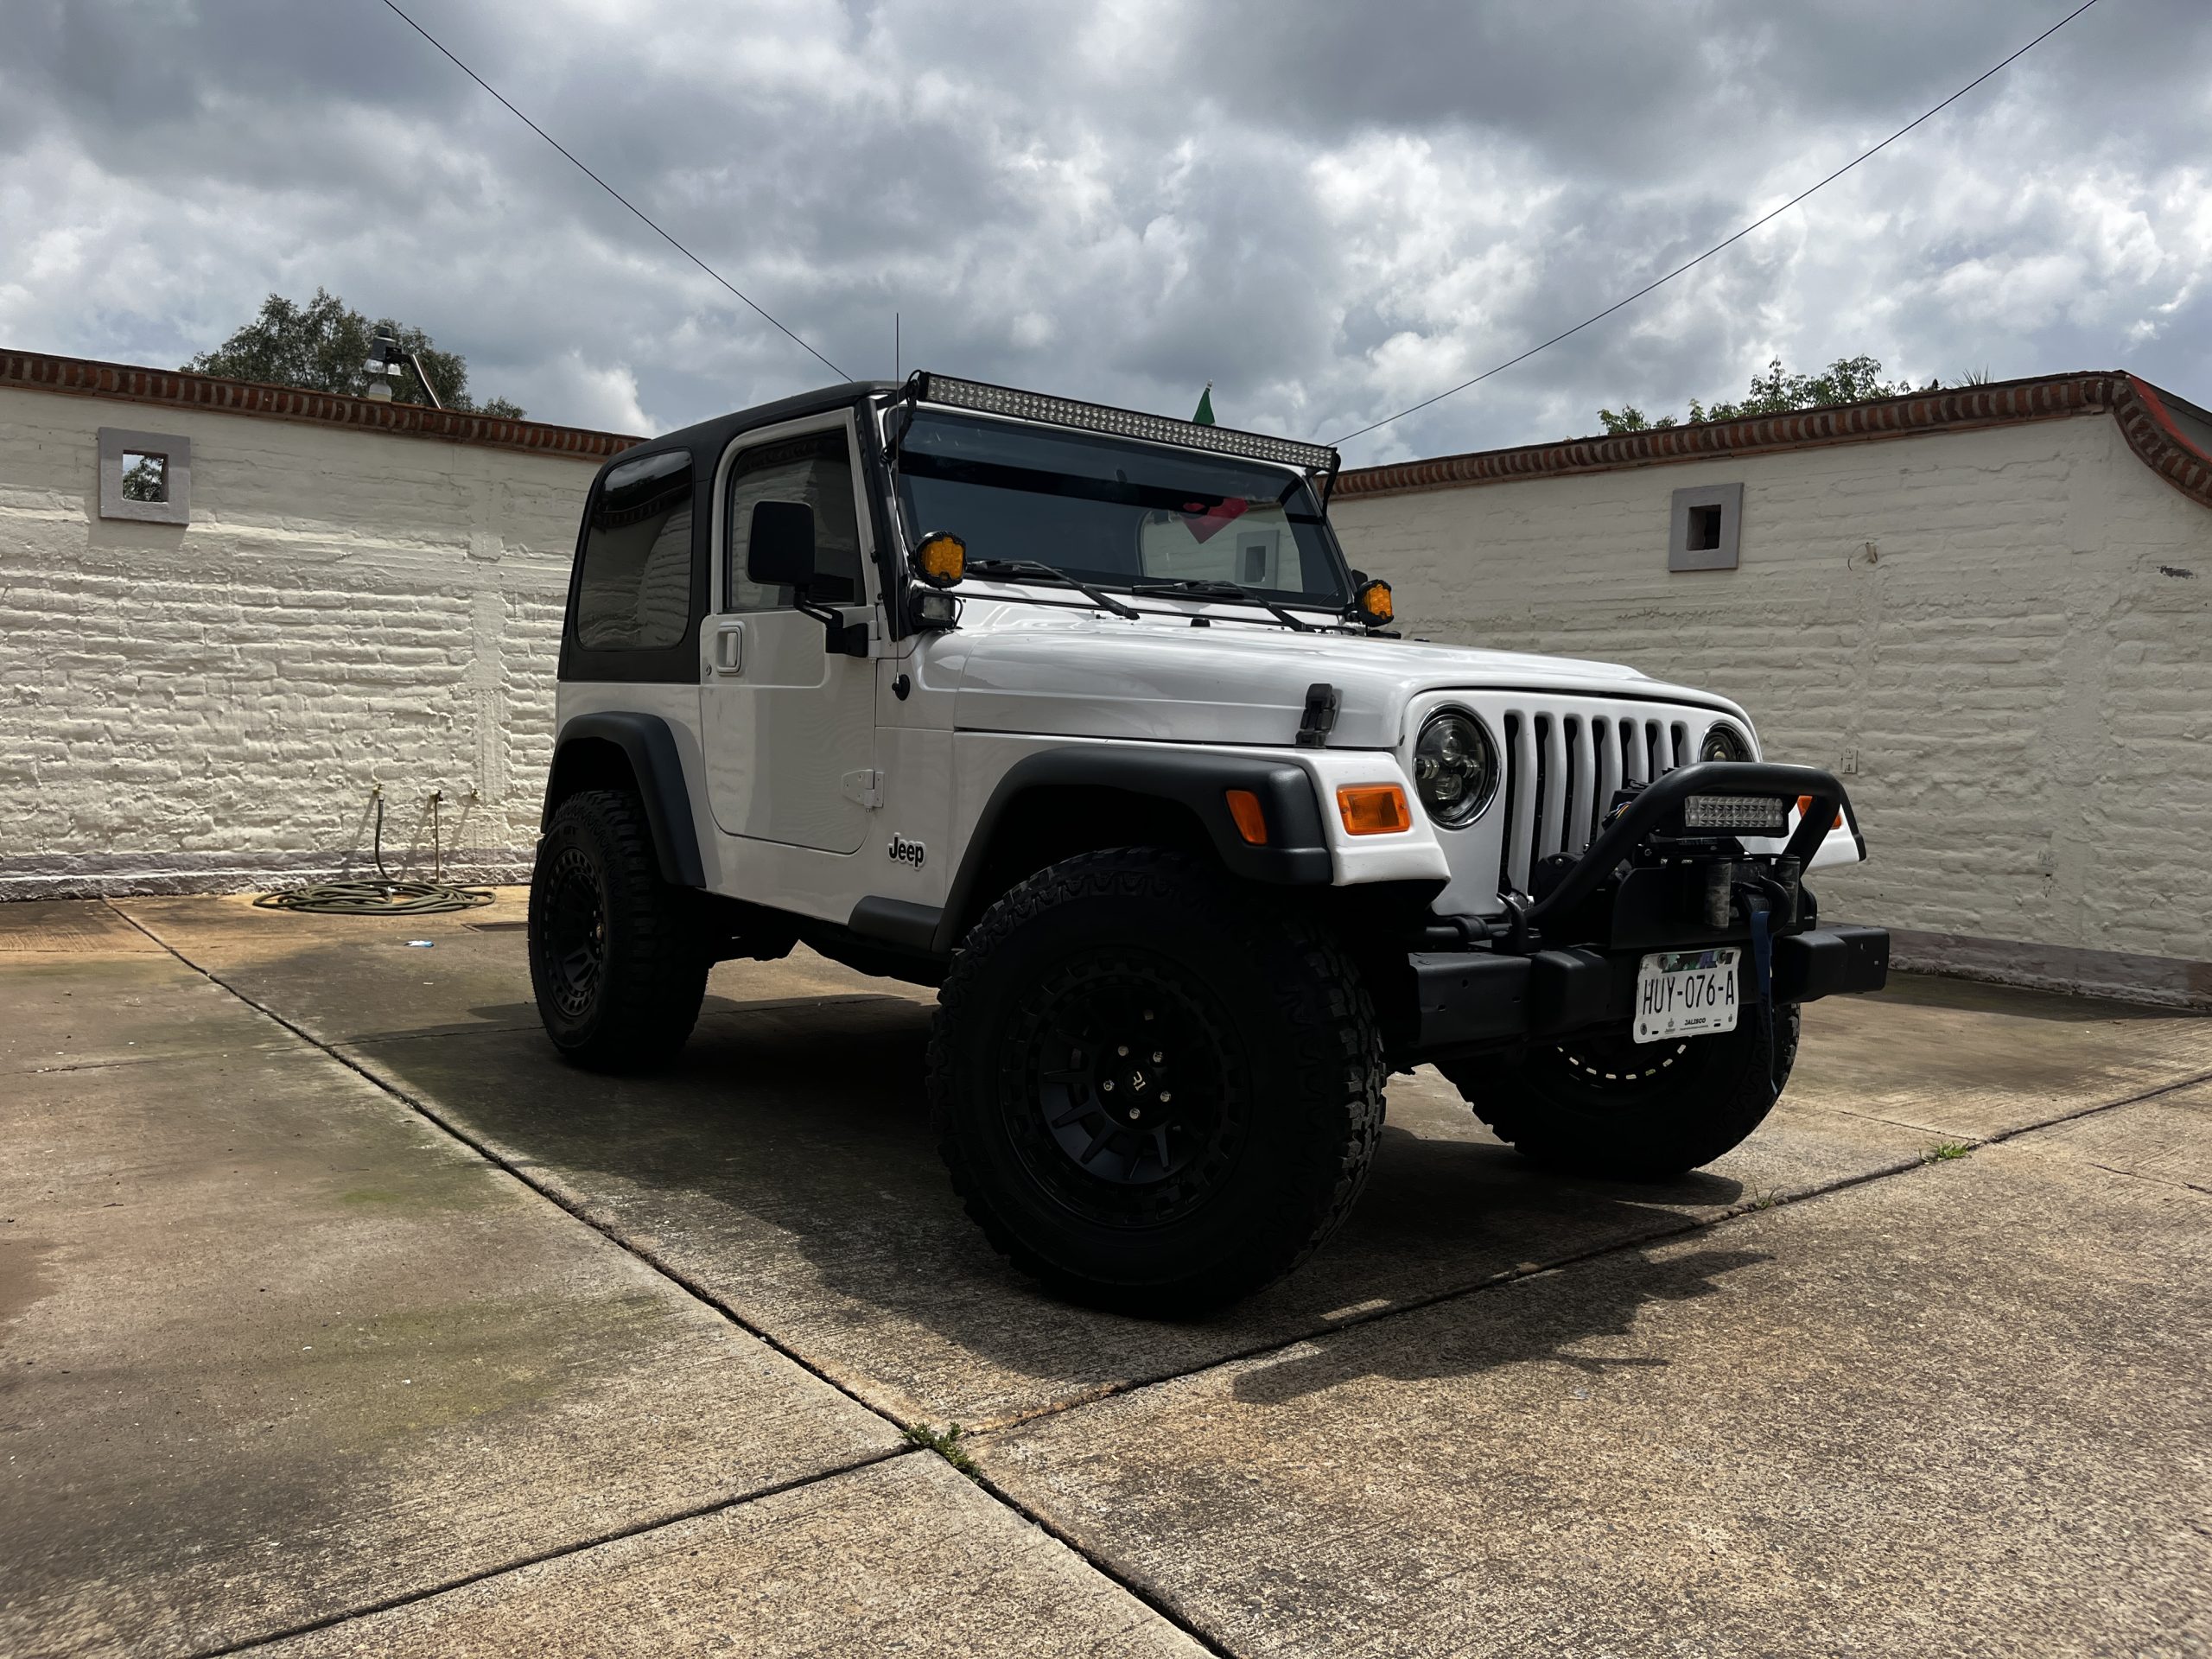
(789, 725)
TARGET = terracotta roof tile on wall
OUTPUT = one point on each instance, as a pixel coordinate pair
(2138, 406)
(180, 388)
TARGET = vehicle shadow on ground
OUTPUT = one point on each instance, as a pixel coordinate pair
(1518, 1324)
(784, 1162)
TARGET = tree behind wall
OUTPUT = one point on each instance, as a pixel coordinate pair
(1847, 380)
(323, 345)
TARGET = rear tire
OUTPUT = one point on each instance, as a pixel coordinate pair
(618, 958)
(1152, 1094)
(1606, 1106)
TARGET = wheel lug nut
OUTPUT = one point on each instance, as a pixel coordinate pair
(1148, 1014)
(1166, 1098)
(1123, 1051)
(1136, 1112)
(1157, 1056)
(1108, 1085)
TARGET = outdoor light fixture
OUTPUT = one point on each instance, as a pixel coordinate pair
(383, 350)
(387, 357)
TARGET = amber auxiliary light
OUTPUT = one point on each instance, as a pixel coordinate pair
(1372, 604)
(1374, 809)
(941, 558)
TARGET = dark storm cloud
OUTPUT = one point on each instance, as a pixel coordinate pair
(1328, 211)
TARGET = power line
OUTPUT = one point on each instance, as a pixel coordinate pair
(1718, 246)
(611, 191)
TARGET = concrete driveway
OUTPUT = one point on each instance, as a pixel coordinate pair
(339, 1317)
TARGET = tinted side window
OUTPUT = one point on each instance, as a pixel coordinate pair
(817, 471)
(634, 591)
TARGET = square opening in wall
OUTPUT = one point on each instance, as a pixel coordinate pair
(1704, 526)
(145, 478)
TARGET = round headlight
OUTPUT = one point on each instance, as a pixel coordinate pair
(1724, 742)
(1455, 768)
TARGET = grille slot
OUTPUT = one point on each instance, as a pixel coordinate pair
(1562, 770)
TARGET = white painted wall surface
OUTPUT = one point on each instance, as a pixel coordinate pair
(209, 705)
(2019, 692)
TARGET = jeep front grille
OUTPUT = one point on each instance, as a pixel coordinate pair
(1562, 769)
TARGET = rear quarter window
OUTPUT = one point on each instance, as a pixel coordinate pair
(633, 586)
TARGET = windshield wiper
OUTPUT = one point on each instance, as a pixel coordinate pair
(1033, 567)
(1215, 588)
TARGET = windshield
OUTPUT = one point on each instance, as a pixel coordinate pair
(1115, 512)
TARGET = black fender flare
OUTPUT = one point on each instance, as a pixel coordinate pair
(658, 765)
(1296, 853)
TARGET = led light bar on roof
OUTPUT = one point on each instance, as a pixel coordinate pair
(1121, 422)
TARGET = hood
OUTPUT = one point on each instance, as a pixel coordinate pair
(1024, 668)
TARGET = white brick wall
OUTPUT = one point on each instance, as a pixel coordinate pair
(209, 705)
(2024, 694)
(2019, 695)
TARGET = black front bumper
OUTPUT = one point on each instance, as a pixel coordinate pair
(1568, 961)
(1475, 998)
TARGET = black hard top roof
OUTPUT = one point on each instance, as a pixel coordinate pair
(707, 439)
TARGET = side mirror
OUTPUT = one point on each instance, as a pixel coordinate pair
(779, 552)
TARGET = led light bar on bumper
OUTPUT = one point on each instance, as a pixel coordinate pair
(1121, 422)
(1760, 814)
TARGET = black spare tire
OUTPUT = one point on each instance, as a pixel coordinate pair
(1601, 1103)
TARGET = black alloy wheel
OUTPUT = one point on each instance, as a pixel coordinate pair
(1123, 1089)
(575, 932)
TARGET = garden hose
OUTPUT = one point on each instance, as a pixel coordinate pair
(388, 895)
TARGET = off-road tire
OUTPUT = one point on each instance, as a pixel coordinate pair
(1620, 1110)
(617, 956)
(1270, 1025)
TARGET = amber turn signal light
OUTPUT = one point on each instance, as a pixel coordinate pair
(1372, 603)
(1251, 822)
(1374, 809)
(1805, 805)
(942, 559)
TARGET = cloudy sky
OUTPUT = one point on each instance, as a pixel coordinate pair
(1328, 209)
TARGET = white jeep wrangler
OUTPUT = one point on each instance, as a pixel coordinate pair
(1080, 716)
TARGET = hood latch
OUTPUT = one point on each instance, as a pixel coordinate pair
(1319, 719)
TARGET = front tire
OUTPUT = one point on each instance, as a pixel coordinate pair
(1607, 1106)
(1152, 1094)
(617, 957)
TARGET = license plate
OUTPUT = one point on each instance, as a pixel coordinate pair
(1685, 993)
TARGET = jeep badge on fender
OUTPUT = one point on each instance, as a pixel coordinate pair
(1218, 851)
